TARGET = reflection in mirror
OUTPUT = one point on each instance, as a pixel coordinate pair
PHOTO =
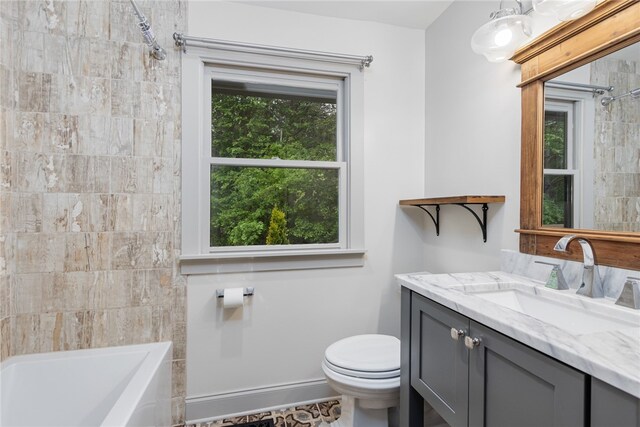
(592, 145)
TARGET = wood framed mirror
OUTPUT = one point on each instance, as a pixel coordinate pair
(613, 25)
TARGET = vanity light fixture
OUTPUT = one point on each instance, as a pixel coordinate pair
(510, 28)
(564, 10)
(499, 38)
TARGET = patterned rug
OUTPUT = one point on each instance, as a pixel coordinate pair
(298, 416)
(263, 423)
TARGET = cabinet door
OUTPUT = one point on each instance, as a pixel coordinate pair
(439, 362)
(511, 384)
(613, 407)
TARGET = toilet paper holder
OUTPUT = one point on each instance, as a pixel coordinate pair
(247, 292)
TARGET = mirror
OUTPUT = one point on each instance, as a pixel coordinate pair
(607, 214)
(591, 151)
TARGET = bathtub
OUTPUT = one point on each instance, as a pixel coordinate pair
(113, 386)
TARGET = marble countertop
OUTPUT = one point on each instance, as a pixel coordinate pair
(611, 356)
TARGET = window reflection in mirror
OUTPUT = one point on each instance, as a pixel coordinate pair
(591, 176)
(559, 169)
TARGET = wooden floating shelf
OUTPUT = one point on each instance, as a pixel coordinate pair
(456, 200)
(453, 200)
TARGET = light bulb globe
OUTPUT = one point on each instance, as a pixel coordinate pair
(499, 38)
(564, 10)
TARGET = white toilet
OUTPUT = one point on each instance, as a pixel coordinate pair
(365, 369)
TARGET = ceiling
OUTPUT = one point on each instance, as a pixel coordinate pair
(413, 14)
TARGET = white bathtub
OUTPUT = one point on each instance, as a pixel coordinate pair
(114, 386)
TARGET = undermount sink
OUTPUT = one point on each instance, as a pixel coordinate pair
(562, 309)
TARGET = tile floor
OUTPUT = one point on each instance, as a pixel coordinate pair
(298, 416)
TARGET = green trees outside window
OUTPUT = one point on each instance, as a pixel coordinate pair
(557, 197)
(273, 205)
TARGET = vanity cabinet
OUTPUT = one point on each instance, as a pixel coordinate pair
(511, 384)
(613, 407)
(440, 365)
(474, 376)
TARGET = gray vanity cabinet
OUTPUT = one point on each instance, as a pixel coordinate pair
(442, 374)
(511, 384)
(613, 407)
(499, 382)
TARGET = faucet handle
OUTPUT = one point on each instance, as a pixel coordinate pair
(630, 295)
(556, 278)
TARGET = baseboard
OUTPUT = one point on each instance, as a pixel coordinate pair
(206, 408)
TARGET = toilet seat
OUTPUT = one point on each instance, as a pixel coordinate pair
(362, 374)
(365, 356)
(364, 385)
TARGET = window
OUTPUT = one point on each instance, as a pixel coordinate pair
(277, 164)
(567, 160)
(278, 149)
(560, 173)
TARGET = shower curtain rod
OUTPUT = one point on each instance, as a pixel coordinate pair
(183, 41)
(599, 90)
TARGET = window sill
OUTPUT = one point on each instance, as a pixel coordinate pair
(270, 261)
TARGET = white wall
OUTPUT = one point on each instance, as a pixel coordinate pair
(281, 336)
(472, 141)
(579, 75)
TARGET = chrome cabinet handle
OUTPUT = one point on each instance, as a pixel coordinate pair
(456, 334)
(471, 343)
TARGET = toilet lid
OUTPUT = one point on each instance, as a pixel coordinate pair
(366, 353)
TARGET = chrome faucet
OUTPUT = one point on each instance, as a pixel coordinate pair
(591, 285)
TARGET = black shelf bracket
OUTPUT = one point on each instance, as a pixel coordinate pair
(482, 222)
(436, 220)
(464, 201)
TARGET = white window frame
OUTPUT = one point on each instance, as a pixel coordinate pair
(580, 130)
(340, 164)
(199, 66)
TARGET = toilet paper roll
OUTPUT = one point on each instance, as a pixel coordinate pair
(233, 297)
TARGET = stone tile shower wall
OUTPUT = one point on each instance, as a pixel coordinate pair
(90, 179)
(617, 148)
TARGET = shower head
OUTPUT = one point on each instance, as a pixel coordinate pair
(606, 100)
(157, 51)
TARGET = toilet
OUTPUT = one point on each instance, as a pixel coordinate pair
(365, 369)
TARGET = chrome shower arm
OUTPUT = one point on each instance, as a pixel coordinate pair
(634, 93)
(150, 39)
(139, 14)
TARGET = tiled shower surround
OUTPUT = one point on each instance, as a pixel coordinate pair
(90, 179)
(617, 132)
